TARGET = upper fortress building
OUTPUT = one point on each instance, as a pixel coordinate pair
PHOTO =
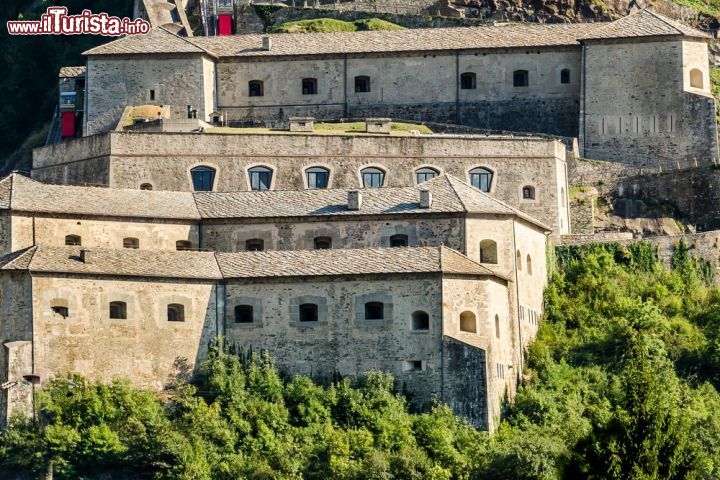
(636, 90)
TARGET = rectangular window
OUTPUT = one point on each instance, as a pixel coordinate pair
(151, 95)
(413, 366)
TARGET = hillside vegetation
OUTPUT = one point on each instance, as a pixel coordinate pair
(332, 25)
(621, 384)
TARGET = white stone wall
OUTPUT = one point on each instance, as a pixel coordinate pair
(142, 347)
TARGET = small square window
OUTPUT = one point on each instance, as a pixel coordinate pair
(413, 366)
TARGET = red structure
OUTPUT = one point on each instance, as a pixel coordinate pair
(68, 124)
(224, 24)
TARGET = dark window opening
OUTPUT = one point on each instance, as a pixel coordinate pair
(203, 178)
(565, 76)
(317, 177)
(528, 193)
(146, 186)
(413, 366)
(309, 86)
(468, 81)
(374, 311)
(243, 314)
(481, 178)
(152, 95)
(183, 245)
(255, 245)
(133, 243)
(425, 174)
(420, 321)
(322, 243)
(59, 307)
(362, 84)
(176, 312)
(521, 78)
(73, 240)
(373, 177)
(256, 88)
(260, 178)
(399, 240)
(308, 312)
(118, 310)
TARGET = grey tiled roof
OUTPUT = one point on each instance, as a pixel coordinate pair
(158, 40)
(360, 261)
(115, 262)
(20, 193)
(643, 23)
(70, 72)
(216, 266)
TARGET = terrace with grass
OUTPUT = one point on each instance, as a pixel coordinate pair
(397, 129)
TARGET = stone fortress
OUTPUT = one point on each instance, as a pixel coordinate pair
(425, 255)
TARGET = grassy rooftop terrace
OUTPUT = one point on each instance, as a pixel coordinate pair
(397, 129)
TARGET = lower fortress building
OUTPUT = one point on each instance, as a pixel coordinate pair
(440, 284)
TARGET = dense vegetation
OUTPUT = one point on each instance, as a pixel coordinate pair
(620, 384)
(30, 66)
(333, 25)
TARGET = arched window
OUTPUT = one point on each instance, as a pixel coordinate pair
(424, 174)
(362, 84)
(317, 177)
(521, 78)
(118, 310)
(565, 76)
(256, 88)
(372, 177)
(468, 81)
(528, 192)
(467, 322)
(255, 245)
(175, 312)
(518, 260)
(243, 314)
(59, 308)
(488, 251)
(260, 178)
(203, 178)
(146, 186)
(322, 243)
(529, 265)
(399, 240)
(130, 242)
(481, 178)
(374, 311)
(308, 312)
(181, 245)
(73, 240)
(696, 78)
(497, 326)
(309, 86)
(420, 321)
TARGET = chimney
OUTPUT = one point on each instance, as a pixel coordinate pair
(354, 200)
(267, 43)
(84, 255)
(425, 199)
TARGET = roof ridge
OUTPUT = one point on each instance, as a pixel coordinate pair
(662, 19)
(187, 40)
(460, 198)
(7, 261)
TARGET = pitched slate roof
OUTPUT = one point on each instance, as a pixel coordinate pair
(21, 193)
(508, 35)
(116, 262)
(158, 40)
(643, 23)
(449, 195)
(70, 72)
(360, 261)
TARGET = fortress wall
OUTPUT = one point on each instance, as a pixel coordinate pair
(351, 233)
(413, 86)
(343, 342)
(636, 110)
(116, 82)
(142, 347)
